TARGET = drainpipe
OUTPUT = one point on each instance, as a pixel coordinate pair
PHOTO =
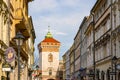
(8, 3)
(94, 64)
(111, 39)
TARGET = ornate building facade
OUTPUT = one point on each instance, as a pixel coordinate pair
(4, 34)
(72, 61)
(100, 42)
(66, 64)
(49, 57)
(20, 21)
(14, 17)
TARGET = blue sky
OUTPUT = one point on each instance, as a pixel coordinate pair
(63, 16)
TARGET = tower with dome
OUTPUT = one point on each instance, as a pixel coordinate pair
(49, 57)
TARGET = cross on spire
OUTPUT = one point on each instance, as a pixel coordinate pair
(48, 35)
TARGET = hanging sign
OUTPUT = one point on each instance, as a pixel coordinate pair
(6, 67)
(10, 54)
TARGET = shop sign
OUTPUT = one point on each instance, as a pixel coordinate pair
(6, 67)
(10, 54)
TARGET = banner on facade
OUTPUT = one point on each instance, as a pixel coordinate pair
(10, 54)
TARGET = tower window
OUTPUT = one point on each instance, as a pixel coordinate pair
(50, 72)
(50, 57)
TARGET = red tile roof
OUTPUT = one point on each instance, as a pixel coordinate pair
(50, 40)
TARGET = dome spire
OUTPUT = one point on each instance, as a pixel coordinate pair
(48, 35)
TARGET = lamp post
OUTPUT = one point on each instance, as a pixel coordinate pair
(37, 68)
(19, 41)
(114, 60)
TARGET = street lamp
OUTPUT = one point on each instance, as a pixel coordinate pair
(19, 41)
(114, 60)
(37, 68)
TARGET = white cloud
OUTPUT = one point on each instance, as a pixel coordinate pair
(70, 3)
(56, 32)
(41, 5)
(61, 33)
(59, 20)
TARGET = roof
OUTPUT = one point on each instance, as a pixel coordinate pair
(50, 40)
(95, 5)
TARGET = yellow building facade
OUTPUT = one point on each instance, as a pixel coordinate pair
(21, 21)
(14, 18)
(4, 34)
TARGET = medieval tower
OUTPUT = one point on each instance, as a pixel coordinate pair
(49, 57)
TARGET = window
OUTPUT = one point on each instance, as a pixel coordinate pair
(105, 50)
(50, 58)
(102, 75)
(50, 72)
(104, 26)
(114, 20)
(115, 48)
(119, 48)
(119, 14)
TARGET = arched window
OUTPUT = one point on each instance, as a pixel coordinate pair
(50, 57)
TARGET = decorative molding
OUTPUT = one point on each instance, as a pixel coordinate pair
(4, 11)
(103, 40)
(3, 46)
(116, 33)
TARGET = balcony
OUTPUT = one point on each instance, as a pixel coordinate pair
(3, 46)
(23, 28)
(22, 23)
